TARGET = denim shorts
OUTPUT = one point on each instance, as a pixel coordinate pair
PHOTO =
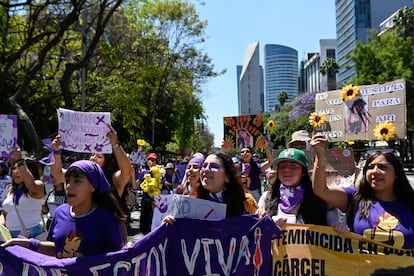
(33, 231)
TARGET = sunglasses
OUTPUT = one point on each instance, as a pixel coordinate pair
(371, 151)
(214, 167)
(245, 151)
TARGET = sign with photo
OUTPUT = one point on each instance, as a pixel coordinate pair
(244, 131)
(356, 118)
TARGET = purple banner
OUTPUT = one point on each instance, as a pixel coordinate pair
(8, 134)
(234, 246)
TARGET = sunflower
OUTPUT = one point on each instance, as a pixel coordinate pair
(384, 131)
(349, 92)
(141, 142)
(270, 124)
(317, 120)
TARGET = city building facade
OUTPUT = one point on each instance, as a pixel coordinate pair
(354, 19)
(281, 74)
(250, 82)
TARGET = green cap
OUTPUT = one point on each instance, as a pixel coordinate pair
(292, 155)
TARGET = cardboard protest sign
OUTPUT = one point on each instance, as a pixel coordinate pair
(356, 119)
(317, 250)
(84, 131)
(163, 205)
(8, 134)
(243, 131)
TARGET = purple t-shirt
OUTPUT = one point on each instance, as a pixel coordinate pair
(94, 233)
(389, 222)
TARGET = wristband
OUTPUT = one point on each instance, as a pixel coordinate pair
(115, 145)
(34, 244)
(57, 152)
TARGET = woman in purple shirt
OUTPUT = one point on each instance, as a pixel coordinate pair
(88, 224)
(381, 208)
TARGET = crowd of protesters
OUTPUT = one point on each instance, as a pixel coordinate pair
(282, 187)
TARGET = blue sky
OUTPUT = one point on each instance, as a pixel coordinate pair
(234, 24)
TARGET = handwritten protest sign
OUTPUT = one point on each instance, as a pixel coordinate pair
(195, 208)
(318, 250)
(84, 131)
(163, 204)
(8, 134)
(243, 131)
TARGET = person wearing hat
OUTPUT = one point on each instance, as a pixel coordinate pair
(88, 224)
(290, 198)
(170, 179)
(300, 140)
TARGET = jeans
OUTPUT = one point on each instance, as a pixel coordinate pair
(33, 232)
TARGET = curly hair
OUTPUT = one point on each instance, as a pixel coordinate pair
(233, 194)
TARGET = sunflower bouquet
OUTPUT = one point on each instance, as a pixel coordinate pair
(152, 185)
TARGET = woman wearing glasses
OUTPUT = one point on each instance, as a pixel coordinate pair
(381, 208)
(220, 182)
(255, 186)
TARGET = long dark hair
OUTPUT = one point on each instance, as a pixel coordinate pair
(233, 194)
(364, 197)
(106, 200)
(110, 167)
(312, 209)
(33, 167)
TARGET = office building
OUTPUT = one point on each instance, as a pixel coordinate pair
(281, 74)
(354, 19)
(250, 82)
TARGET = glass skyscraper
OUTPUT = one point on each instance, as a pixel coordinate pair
(281, 74)
(250, 82)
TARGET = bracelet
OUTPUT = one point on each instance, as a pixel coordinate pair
(320, 166)
(115, 145)
(57, 152)
(21, 163)
(34, 244)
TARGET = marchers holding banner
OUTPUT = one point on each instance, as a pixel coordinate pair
(234, 246)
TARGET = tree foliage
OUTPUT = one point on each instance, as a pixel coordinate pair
(282, 97)
(329, 68)
(384, 58)
(155, 70)
(35, 36)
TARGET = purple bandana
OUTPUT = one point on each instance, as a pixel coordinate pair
(290, 197)
(197, 160)
(94, 174)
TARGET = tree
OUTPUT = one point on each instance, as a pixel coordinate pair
(404, 20)
(384, 58)
(33, 35)
(329, 68)
(282, 97)
(155, 70)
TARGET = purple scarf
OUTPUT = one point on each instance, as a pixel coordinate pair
(290, 197)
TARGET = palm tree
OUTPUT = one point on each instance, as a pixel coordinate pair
(282, 97)
(329, 68)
